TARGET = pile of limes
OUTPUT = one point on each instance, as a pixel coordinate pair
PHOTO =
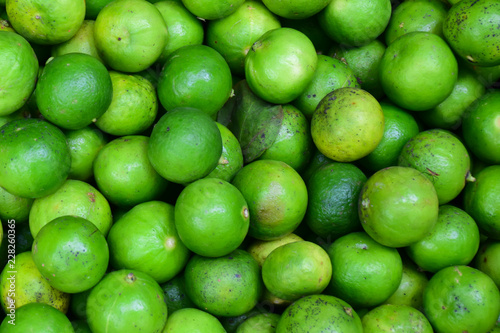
(250, 166)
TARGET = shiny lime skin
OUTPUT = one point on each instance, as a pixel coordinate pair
(37, 317)
(193, 320)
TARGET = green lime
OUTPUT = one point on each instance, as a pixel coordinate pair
(416, 15)
(93, 7)
(124, 174)
(407, 76)
(461, 298)
(395, 318)
(293, 142)
(260, 250)
(449, 113)
(231, 160)
(470, 29)
(30, 286)
(145, 239)
(280, 65)
(481, 127)
(441, 157)
(195, 76)
(14, 207)
(46, 22)
(354, 258)
(34, 158)
(330, 74)
(212, 9)
(37, 317)
(314, 313)
(71, 253)
(261, 323)
(453, 241)
(78, 304)
(364, 61)
(132, 109)
(183, 27)
(347, 125)
(84, 144)
(75, 198)
(81, 42)
(185, 145)
(355, 23)
(333, 191)
(126, 301)
(130, 35)
(176, 295)
(193, 320)
(481, 201)
(296, 269)
(211, 217)
(296, 9)
(225, 286)
(19, 68)
(395, 200)
(276, 196)
(234, 35)
(74, 90)
(399, 127)
(488, 260)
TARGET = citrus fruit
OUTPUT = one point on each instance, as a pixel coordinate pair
(109, 304)
(395, 200)
(481, 127)
(93, 7)
(260, 250)
(330, 74)
(449, 113)
(461, 298)
(193, 320)
(84, 144)
(419, 15)
(355, 23)
(29, 286)
(183, 27)
(311, 28)
(175, 294)
(442, 158)
(295, 9)
(409, 79)
(488, 260)
(317, 160)
(364, 62)
(319, 313)
(81, 326)
(211, 217)
(34, 158)
(399, 127)
(293, 142)
(229, 285)
(71, 253)
(280, 65)
(130, 35)
(185, 145)
(231, 160)
(74, 90)
(261, 323)
(195, 76)
(212, 9)
(470, 28)
(37, 317)
(133, 107)
(333, 191)
(296, 269)
(233, 35)
(454, 240)
(276, 196)
(124, 174)
(347, 125)
(81, 42)
(46, 22)
(78, 304)
(145, 239)
(75, 198)
(19, 68)
(354, 258)
(481, 201)
(411, 288)
(395, 318)
(14, 207)
(231, 323)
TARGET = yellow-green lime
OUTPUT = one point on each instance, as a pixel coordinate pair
(212, 9)
(192, 320)
(488, 260)
(395, 318)
(81, 42)
(261, 323)
(39, 317)
(296, 9)
(260, 250)
(14, 207)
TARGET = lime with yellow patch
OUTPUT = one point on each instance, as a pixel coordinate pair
(81, 42)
